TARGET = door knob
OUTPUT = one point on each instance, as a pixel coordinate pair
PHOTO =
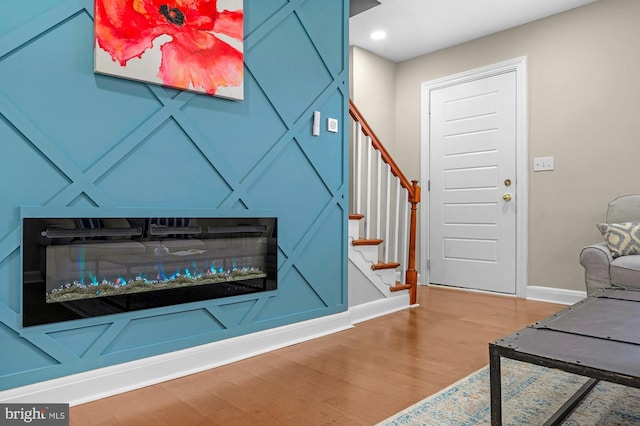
(506, 197)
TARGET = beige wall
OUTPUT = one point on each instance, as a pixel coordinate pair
(373, 90)
(583, 109)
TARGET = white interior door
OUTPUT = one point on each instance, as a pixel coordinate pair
(473, 188)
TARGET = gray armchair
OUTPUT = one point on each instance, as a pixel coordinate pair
(601, 269)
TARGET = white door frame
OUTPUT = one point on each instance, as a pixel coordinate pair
(519, 65)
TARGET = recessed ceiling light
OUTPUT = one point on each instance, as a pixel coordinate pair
(378, 35)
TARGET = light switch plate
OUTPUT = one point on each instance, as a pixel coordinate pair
(541, 164)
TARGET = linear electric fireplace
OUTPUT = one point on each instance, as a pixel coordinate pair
(81, 267)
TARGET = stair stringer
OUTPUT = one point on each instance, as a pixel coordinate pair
(362, 258)
(369, 287)
(370, 295)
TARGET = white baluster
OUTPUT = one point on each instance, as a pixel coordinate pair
(358, 169)
(379, 164)
(368, 191)
(405, 232)
(397, 223)
(387, 215)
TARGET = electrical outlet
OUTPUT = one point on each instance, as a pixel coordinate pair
(541, 164)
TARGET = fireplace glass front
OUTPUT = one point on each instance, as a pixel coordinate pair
(85, 267)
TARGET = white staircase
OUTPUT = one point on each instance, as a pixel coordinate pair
(382, 227)
(370, 293)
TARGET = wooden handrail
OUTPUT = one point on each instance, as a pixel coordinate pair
(413, 190)
(386, 157)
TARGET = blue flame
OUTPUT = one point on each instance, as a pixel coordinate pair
(161, 274)
(225, 268)
(81, 264)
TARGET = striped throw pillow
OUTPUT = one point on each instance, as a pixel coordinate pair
(623, 239)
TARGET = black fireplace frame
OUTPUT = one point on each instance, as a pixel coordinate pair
(216, 234)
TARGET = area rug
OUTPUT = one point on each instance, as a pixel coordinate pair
(530, 395)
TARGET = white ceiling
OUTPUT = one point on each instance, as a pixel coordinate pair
(418, 27)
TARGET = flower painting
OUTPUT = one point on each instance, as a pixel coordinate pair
(186, 44)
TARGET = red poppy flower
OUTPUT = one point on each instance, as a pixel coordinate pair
(195, 57)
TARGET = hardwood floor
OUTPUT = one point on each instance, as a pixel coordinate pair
(356, 377)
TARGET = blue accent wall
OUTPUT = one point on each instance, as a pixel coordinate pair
(74, 140)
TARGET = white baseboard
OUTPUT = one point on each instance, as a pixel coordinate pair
(541, 294)
(555, 295)
(103, 382)
(379, 308)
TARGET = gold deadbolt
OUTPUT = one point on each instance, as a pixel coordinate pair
(507, 182)
(506, 197)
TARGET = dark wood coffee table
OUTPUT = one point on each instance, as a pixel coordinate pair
(598, 337)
